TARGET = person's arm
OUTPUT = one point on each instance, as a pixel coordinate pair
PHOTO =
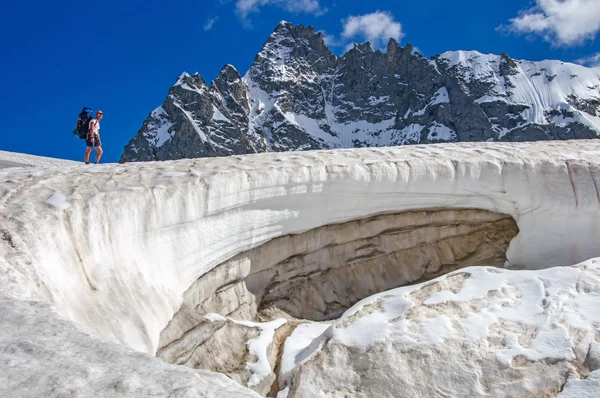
(97, 133)
(91, 134)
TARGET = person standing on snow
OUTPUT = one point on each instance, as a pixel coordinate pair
(93, 139)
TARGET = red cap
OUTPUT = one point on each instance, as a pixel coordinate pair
(99, 112)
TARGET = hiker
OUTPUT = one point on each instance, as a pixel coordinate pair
(93, 139)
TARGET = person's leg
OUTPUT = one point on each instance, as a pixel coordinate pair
(98, 153)
(88, 151)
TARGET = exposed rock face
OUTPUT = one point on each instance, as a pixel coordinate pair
(191, 122)
(298, 95)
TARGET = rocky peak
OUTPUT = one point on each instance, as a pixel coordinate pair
(508, 66)
(195, 80)
(391, 49)
(292, 54)
(289, 43)
(228, 73)
(232, 92)
(400, 57)
(360, 49)
(287, 29)
(227, 77)
(188, 87)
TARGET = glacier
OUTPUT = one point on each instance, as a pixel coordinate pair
(102, 268)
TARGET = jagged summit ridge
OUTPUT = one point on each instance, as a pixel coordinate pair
(298, 95)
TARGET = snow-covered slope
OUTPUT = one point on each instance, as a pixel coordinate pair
(479, 332)
(15, 159)
(539, 86)
(113, 248)
(298, 95)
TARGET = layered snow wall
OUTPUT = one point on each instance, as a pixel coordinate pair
(114, 247)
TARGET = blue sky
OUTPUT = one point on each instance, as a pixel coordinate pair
(122, 56)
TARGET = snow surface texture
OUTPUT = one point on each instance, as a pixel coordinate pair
(117, 260)
(477, 332)
(14, 159)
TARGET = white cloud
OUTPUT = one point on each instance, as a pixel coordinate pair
(377, 28)
(560, 22)
(209, 24)
(348, 47)
(591, 61)
(245, 7)
(330, 40)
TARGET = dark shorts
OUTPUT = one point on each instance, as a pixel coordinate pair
(93, 144)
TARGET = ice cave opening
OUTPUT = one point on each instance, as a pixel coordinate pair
(318, 274)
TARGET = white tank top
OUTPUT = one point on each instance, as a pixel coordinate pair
(94, 127)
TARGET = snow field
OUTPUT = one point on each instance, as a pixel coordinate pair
(143, 233)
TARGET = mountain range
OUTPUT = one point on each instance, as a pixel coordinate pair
(298, 95)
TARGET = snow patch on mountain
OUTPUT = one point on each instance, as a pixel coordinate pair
(540, 86)
(411, 134)
(158, 127)
(378, 100)
(218, 116)
(440, 97)
(438, 131)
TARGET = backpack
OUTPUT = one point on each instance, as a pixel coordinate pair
(83, 123)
